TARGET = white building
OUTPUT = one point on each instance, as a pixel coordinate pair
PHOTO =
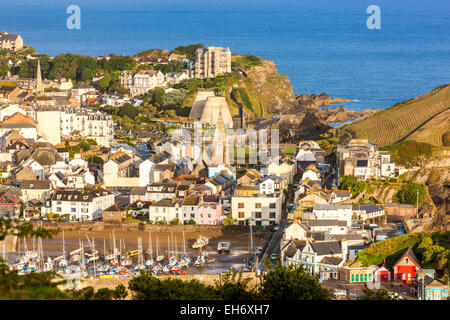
(260, 210)
(166, 210)
(141, 82)
(333, 212)
(81, 204)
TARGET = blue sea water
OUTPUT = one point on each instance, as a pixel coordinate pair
(322, 45)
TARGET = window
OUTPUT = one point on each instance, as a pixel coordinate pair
(365, 277)
(258, 215)
(241, 205)
(258, 223)
(353, 278)
(73, 210)
(241, 215)
(58, 209)
(272, 215)
(257, 205)
(272, 205)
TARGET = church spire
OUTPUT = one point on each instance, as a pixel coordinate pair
(39, 85)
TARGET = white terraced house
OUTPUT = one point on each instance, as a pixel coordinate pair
(258, 210)
(141, 81)
(81, 205)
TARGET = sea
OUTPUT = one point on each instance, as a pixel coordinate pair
(321, 45)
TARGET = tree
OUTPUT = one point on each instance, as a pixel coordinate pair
(380, 294)
(235, 287)
(120, 292)
(128, 111)
(291, 283)
(33, 286)
(188, 51)
(408, 194)
(228, 220)
(147, 287)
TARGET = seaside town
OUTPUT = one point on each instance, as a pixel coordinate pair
(103, 149)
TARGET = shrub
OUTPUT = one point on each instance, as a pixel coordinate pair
(175, 221)
(192, 221)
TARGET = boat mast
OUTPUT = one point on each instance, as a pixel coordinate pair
(184, 244)
(168, 247)
(64, 247)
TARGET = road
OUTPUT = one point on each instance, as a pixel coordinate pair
(274, 244)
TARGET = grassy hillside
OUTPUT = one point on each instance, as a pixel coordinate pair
(435, 131)
(421, 119)
(432, 249)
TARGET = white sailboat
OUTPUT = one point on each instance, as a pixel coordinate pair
(150, 261)
(63, 262)
(159, 257)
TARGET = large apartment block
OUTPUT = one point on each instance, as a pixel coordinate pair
(212, 61)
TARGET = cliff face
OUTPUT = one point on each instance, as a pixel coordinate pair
(273, 91)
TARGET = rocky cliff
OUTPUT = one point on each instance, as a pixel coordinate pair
(271, 92)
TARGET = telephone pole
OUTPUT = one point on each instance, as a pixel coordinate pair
(417, 204)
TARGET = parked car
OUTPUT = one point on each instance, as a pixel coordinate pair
(273, 256)
(276, 227)
(381, 237)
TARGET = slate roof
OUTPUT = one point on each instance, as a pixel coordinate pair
(138, 191)
(77, 195)
(323, 223)
(35, 184)
(331, 260)
(411, 255)
(114, 208)
(369, 208)
(327, 248)
(324, 206)
(431, 282)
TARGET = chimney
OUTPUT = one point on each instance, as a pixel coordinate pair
(344, 247)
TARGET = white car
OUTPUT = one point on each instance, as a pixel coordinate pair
(273, 256)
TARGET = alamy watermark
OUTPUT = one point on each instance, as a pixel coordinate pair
(374, 20)
(230, 146)
(74, 20)
(73, 281)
